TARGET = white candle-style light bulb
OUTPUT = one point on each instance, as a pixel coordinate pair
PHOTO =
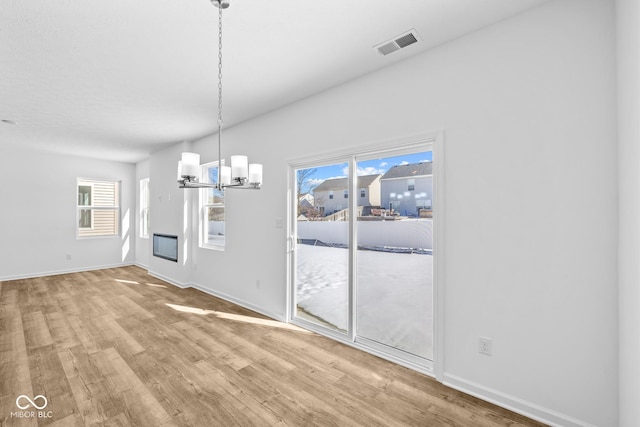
(225, 175)
(239, 167)
(190, 164)
(255, 174)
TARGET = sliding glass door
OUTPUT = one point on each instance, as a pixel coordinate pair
(394, 262)
(362, 250)
(322, 254)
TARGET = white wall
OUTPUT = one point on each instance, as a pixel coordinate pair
(628, 24)
(38, 215)
(143, 246)
(251, 269)
(170, 210)
(528, 109)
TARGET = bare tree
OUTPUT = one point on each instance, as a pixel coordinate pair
(302, 180)
(302, 185)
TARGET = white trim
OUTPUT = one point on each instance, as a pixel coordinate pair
(292, 224)
(168, 280)
(240, 302)
(143, 266)
(439, 283)
(64, 271)
(512, 403)
(84, 207)
(361, 344)
(352, 207)
(402, 145)
(203, 222)
(212, 247)
(144, 187)
(398, 356)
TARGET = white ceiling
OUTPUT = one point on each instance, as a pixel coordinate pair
(119, 79)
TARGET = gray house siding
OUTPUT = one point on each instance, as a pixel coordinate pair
(329, 197)
(408, 188)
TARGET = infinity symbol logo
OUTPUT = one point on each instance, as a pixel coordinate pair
(30, 402)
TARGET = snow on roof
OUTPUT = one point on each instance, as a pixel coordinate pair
(342, 183)
(410, 170)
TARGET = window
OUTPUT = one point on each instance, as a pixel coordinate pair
(212, 210)
(144, 208)
(365, 256)
(411, 184)
(330, 194)
(346, 194)
(98, 208)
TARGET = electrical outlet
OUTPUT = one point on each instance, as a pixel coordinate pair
(258, 284)
(484, 346)
(68, 257)
(279, 223)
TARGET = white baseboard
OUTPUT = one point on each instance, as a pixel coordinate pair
(168, 280)
(221, 295)
(143, 266)
(64, 271)
(241, 303)
(512, 403)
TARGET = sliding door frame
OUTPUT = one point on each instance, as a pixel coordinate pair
(433, 141)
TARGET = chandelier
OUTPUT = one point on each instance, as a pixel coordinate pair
(240, 174)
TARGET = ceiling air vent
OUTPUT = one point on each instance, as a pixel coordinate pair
(398, 43)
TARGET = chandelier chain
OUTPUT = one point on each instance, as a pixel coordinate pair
(239, 174)
(220, 65)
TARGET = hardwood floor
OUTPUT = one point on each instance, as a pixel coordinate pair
(118, 347)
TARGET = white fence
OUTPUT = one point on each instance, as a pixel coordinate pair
(409, 233)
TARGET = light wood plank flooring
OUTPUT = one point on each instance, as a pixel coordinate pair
(118, 347)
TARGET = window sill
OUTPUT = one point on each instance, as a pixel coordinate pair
(213, 247)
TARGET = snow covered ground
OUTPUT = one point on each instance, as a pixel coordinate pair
(394, 294)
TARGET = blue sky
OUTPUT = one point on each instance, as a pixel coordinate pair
(369, 167)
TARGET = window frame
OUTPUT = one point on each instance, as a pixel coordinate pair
(205, 242)
(92, 208)
(145, 208)
(87, 207)
(435, 141)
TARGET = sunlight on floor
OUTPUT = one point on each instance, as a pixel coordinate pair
(237, 317)
(131, 282)
(155, 286)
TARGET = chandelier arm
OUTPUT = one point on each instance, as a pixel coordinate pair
(242, 186)
(239, 185)
(185, 183)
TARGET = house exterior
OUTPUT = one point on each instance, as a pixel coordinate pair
(405, 189)
(332, 195)
(306, 208)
